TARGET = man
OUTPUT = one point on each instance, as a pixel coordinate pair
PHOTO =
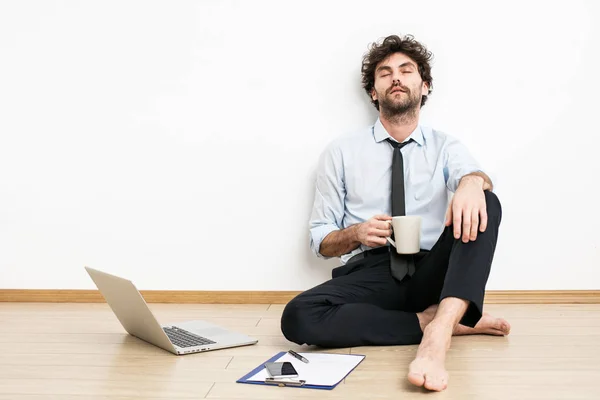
(377, 297)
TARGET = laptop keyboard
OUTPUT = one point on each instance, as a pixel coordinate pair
(182, 338)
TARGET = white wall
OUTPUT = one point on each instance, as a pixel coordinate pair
(175, 142)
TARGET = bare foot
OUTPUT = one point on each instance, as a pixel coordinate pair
(428, 369)
(487, 325)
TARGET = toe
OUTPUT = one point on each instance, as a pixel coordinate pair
(436, 382)
(496, 332)
(416, 378)
(504, 327)
(416, 373)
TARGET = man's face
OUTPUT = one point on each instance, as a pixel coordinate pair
(398, 85)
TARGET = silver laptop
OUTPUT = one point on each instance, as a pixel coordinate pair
(182, 338)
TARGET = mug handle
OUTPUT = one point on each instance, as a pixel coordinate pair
(389, 239)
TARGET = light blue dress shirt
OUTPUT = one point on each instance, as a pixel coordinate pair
(354, 181)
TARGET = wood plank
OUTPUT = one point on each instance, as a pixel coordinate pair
(106, 387)
(198, 362)
(125, 372)
(480, 384)
(164, 318)
(111, 325)
(382, 361)
(14, 396)
(277, 297)
(135, 348)
(87, 307)
(112, 338)
(500, 349)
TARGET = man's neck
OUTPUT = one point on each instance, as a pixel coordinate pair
(400, 126)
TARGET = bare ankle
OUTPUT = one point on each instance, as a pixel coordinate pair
(426, 316)
(437, 336)
(423, 321)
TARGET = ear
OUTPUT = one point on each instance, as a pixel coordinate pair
(424, 89)
(373, 94)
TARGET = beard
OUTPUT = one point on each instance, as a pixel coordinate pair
(402, 105)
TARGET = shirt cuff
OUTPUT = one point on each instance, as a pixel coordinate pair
(317, 234)
(455, 180)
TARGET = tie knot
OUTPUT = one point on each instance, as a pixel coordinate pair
(399, 145)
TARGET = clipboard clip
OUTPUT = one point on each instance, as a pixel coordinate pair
(284, 382)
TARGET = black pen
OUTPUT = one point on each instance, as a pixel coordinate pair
(298, 356)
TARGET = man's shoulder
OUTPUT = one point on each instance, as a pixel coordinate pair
(436, 137)
(351, 139)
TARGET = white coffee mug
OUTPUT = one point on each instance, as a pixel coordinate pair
(407, 232)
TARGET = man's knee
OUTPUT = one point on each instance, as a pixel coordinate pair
(293, 320)
(493, 206)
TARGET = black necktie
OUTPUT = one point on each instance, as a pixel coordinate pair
(400, 264)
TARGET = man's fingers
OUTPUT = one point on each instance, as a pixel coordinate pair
(466, 225)
(380, 232)
(474, 224)
(376, 241)
(381, 224)
(484, 220)
(457, 221)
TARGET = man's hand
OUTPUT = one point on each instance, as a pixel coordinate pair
(467, 210)
(373, 232)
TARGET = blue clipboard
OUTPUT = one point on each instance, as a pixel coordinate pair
(280, 383)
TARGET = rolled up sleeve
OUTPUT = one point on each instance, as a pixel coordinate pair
(328, 208)
(459, 162)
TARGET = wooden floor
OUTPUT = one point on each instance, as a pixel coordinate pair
(80, 351)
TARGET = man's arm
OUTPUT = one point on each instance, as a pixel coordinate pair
(460, 164)
(485, 180)
(371, 233)
(340, 242)
(467, 210)
(327, 238)
(330, 193)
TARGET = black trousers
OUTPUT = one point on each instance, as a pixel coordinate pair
(364, 305)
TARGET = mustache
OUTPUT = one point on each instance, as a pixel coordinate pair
(398, 86)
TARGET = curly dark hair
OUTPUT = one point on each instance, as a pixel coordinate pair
(395, 44)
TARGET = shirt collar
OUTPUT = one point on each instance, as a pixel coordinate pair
(381, 134)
